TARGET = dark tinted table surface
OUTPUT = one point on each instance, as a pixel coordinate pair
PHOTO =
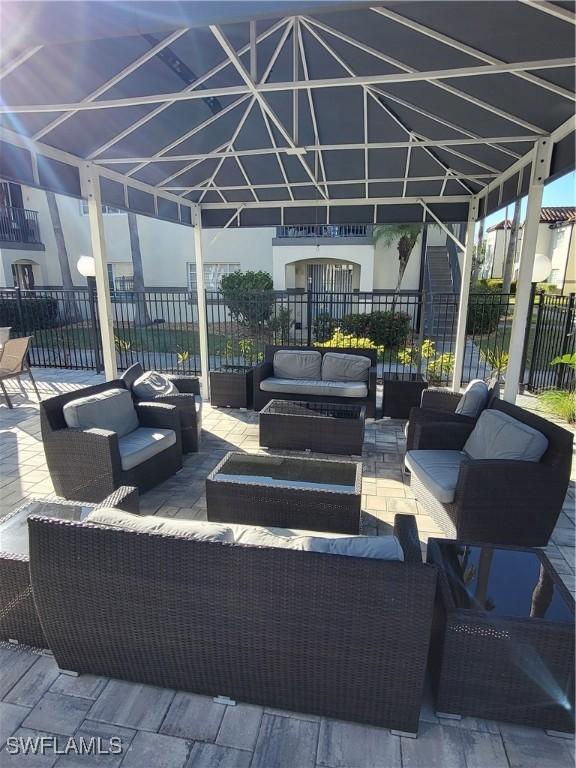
(503, 582)
(326, 410)
(14, 530)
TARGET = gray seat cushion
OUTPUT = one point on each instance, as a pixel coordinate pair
(189, 529)
(340, 367)
(437, 471)
(309, 387)
(152, 384)
(498, 435)
(144, 443)
(112, 409)
(297, 364)
(474, 399)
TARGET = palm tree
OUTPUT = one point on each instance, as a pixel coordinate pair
(141, 316)
(71, 311)
(405, 235)
(511, 251)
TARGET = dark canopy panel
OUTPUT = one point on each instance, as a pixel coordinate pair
(292, 112)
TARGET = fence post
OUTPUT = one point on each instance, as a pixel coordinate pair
(421, 325)
(533, 361)
(94, 322)
(309, 317)
(566, 340)
(20, 310)
(527, 332)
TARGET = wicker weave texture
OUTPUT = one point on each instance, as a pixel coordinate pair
(336, 636)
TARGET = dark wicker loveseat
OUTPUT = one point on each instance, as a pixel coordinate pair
(188, 402)
(499, 501)
(239, 621)
(266, 370)
(85, 465)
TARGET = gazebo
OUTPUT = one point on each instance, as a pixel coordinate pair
(247, 114)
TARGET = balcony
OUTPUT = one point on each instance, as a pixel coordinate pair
(321, 232)
(19, 227)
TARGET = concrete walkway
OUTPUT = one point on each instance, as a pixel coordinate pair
(169, 729)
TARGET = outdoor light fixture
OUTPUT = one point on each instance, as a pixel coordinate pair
(542, 268)
(86, 266)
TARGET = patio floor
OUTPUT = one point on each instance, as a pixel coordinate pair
(168, 729)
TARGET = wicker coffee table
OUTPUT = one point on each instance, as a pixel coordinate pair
(18, 620)
(503, 641)
(320, 427)
(286, 492)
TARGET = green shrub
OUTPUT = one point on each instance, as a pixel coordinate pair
(249, 297)
(33, 314)
(342, 340)
(385, 329)
(324, 326)
(495, 283)
(485, 308)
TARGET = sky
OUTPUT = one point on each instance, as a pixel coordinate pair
(561, 191)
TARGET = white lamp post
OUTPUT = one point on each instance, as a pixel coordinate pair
(87, 268)
(542, 268)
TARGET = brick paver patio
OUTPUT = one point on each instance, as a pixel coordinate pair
(169, 729)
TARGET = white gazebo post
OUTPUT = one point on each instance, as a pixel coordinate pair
(90, 188)
(464, 295)
(202, 319)
(539, 174)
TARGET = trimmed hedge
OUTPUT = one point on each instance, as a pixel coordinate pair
(485, 308)
(33, 314)
(385, 329)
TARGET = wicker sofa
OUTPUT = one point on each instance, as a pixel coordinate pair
(86, 464)
(492, 500)
(304, 389)
(239, 621)
(187, 400)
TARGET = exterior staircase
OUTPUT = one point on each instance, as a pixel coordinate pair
(442, 305)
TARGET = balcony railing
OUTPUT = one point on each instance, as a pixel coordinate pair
(19, 225)
(324, 230)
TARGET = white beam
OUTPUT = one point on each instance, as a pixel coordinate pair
(255, 90)
(552, 9)
(232, 218)
(202, 79)
(443, 226)
(189, 167)
(253, 52)
(406, 68)
(301, 85)
(470, 51)
(20, 59)
(114, 80)
(90, 187)
(201, 297)
(295, 96)
(540, 172)
(340, 201)
(460, 350)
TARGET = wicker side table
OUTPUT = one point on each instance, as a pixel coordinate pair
(400, 393)
(231, 387)
(503, 636)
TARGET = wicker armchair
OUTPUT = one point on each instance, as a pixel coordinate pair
(438, 406)
(86, 464)
(499, 501)
(239, 621)
(187, 401)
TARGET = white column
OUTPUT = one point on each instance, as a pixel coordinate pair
(464, 295)
(539, 174)
(202, 320)
(90, 187)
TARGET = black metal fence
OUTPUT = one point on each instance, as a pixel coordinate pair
(554, 336)
(413, 332)
(19, 225)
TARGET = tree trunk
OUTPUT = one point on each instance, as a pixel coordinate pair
(511, 251)
(141, 316)
(478, 262)
(71, 311)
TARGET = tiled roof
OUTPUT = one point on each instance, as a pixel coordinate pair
(563, 213)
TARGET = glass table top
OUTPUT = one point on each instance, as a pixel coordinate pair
(320, 410)
(291, 472)
(502, 582)
(14, 529)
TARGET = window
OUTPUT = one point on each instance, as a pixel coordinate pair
(105, 208)
(213, 274)
(120, 277)
(555, 278)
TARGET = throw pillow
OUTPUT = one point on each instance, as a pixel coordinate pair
(153, 384)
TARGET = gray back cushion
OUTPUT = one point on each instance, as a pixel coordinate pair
(340, 367)
(297, 364)
(199, 530)
(474, 399)
(151, 384)
(499, 436)
(112, 409)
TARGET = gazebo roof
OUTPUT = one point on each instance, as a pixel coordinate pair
(287, 112)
